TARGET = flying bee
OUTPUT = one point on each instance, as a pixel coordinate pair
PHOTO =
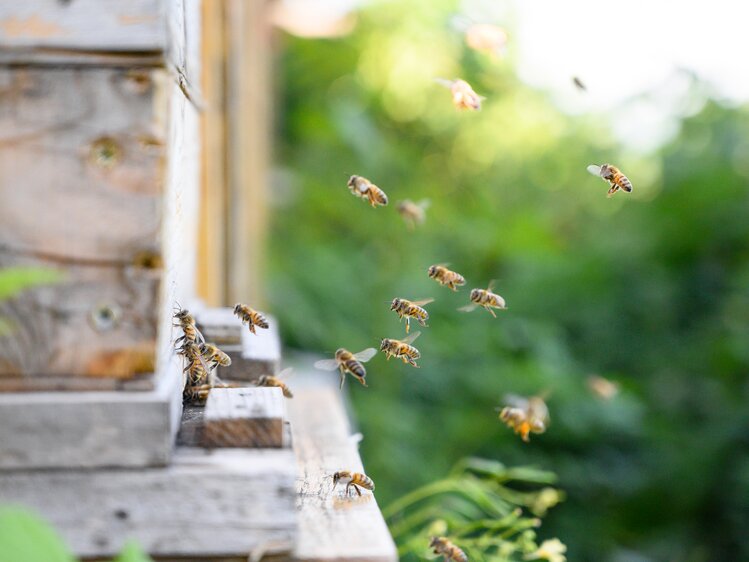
(445, 277)
(353, 480)
(411, 309)
(486, 299)
(365, 189)
(525, 415)
(270, 380)
(403, 349)
(186, 322)
(250, 317)
(603, 388)
(463, 95)
(347, 362)
(447, 550)
(579, 83)
(611, 174)
(214, 355)
(413, 213)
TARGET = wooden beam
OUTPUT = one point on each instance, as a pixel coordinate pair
(248, 92)
(244, 417)
(332, 527)
(204, 505)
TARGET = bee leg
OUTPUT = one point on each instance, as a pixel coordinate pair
(343, 380)
(490, 311)
(347, 489)
(408, 324)
(358, 491)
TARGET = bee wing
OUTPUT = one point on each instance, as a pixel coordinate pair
(490, 288)
(365, 355)
(422, 302)
(326, 364)
(594, 169)
(468, 308)
(287, 373)
(412, 338)
(444, 82)
(516, 401)
(538, 410)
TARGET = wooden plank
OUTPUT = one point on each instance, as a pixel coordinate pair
(94, 25)
(90, 429)
(248, 95)
(228, 502)
(81, 154)
(331, 526)
(244, 417)
(212, 274)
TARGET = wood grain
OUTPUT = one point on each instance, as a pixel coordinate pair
(229, 502)
(93, 25)
(244, 417)
(332, 527)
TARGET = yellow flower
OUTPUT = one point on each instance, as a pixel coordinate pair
(552, 550)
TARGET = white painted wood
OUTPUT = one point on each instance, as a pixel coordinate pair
(78, 25)
(90, 429)
(244, 417)
(332, 527)
(228, 502)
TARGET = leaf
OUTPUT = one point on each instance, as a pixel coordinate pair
(14, 280)
(132, 553)
(24, 537)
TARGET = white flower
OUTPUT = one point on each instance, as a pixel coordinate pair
(552, 550)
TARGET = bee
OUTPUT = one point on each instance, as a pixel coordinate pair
(447, 550)
(579, 84)
(487, 38)
(413, 213)
(196, 369)
(525, 415)
(403, 349)
(463, 95)
(354, 480)
(445, 277)
(270, 380)
(250, 317)
(214, 355)
(611, 174)
(362, 187)
(186, 322)
(411, 309)
(486, 299)
(347, 362)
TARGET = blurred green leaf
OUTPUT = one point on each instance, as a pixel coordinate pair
(24, 537)
(132, 553)
(13, 280)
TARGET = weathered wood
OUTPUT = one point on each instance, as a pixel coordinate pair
(81, 188)
(244, 417)
(93, 25)
(251, 355)
(228, 502)
(90, 429)
(332, 527)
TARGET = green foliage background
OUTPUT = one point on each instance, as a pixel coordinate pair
(650, 290)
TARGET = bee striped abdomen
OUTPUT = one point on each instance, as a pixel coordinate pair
(363, 480)
(355, 368)
(419, 313)
(623, 182)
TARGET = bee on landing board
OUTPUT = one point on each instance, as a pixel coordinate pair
(347, 362)
(214, 356)
(411, 309)
(486, 299)
(277, 381)
(463, 95)
(353, 480)
(403, 349)
(250, 317)
(525, 415)
(613, 176)
(445, 277)
(447, 550)
(413, 213)
(365, 189)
